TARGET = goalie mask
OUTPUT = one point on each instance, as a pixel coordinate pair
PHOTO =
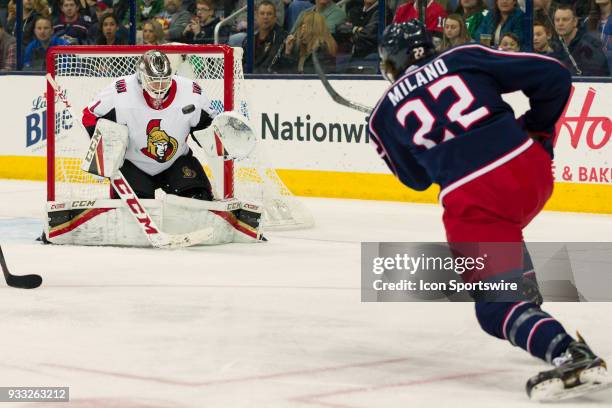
(154, 74)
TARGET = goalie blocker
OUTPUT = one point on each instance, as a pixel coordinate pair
(108, 222)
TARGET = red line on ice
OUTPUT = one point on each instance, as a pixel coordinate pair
(313, 399)
(261, 377)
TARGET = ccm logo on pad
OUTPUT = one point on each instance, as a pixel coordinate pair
(134, 206)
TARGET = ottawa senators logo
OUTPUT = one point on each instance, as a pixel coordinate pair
(160, 146)
(188, 173)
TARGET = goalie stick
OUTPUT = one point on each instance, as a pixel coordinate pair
(155, 236)
(332, 92)
(17, 281)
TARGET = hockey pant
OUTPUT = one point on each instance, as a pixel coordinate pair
(185, 178)
(492, 209)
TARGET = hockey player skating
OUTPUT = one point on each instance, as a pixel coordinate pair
(443, 121)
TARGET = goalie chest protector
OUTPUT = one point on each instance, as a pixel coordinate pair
(157, 137)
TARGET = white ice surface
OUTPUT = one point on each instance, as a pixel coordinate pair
(278, 324)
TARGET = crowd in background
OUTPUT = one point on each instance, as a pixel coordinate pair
(343, 34)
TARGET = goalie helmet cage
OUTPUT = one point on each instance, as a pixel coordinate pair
(82, 71)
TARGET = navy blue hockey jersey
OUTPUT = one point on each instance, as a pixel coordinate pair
(445, 122)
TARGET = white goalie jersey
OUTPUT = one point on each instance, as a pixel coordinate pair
(157, 137)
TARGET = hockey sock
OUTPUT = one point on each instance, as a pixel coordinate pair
(525, 325)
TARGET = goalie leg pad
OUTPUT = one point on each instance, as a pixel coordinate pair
(232, 220)
(107, 149)
(186, 178)
(96, 222)
(108, 222)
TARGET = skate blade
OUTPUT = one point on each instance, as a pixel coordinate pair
(592, 380)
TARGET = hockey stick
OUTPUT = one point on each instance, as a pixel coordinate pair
(154, 235)
(332, 92)
(16, 281)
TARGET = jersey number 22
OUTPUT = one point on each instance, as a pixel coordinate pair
(458, 111)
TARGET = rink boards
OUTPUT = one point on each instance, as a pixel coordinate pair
(322, 149)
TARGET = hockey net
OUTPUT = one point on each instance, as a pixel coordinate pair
(81, 72)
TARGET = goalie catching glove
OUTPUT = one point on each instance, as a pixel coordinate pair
(230, 135)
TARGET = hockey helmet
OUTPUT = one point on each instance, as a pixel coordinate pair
(402, 45)
(154, 74)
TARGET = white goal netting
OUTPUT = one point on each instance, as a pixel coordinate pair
(81, 72)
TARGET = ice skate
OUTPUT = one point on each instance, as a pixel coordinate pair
(578, 371)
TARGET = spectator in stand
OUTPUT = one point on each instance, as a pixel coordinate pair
(70, 25)
(238, 24)
(361, 29)
(455, 32)
(473, 12)
(269, 38)
(509, 42)
(174, 20)
(544, 10)
(448, 5)
(121, 8)
(334, 15)
(311, 35)
(108, 26)
(434, 16)
(87, 9)
(585, 49)
(31, 10)
(599, 24)
(227, 7)
(542, 37)
(8, 60)
(201, 29)
(294, 9)
(598, 17)
(581, 7)
(190, 6)
(148, 9)
(35, 58)
(505, 17)
(281, 7)
(152, 33)
(103, 8)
